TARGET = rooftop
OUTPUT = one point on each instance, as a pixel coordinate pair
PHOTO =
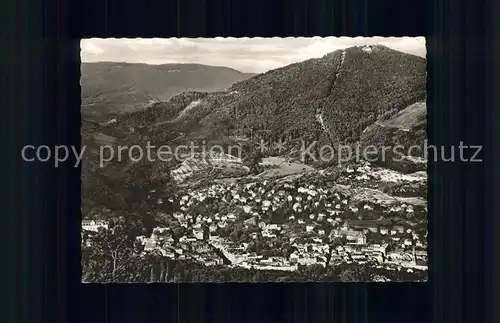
(369, 223)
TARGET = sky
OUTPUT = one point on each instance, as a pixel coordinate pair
(250, 55)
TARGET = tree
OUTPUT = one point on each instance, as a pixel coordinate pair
(355, 274)
(289, 250)
(206, 232)
(234, 236)
(251, 247)
(267, 253)
(162, 218)
(258, 246)
(335, 242)
(177, 233)
(257, 277)
(315, 270)
(151, 261)
(244, 237)
(252, 158)
(110, 254)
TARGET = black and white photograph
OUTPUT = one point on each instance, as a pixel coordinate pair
(253, 160)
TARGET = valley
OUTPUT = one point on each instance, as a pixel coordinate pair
(266, 211)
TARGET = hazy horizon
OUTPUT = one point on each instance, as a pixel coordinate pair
(247, 55)
(186, 63)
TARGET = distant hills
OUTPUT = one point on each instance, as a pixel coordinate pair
(112, 88)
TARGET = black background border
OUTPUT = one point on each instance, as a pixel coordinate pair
(43, 98)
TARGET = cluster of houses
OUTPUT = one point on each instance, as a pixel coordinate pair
(315, 209)
(93, 225)
(318, 212)
(261, 198)
(306, 254)
(364, 171)
(312, 218)
(188, 247)
(356, 232)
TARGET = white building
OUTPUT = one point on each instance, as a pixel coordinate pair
(91, 225)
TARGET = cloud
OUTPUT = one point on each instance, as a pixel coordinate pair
(89, 48)
(244, 54)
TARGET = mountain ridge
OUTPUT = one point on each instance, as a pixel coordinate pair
(292, 101)
(166, 65)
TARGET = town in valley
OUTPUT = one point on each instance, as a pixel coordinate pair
(269, 213)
